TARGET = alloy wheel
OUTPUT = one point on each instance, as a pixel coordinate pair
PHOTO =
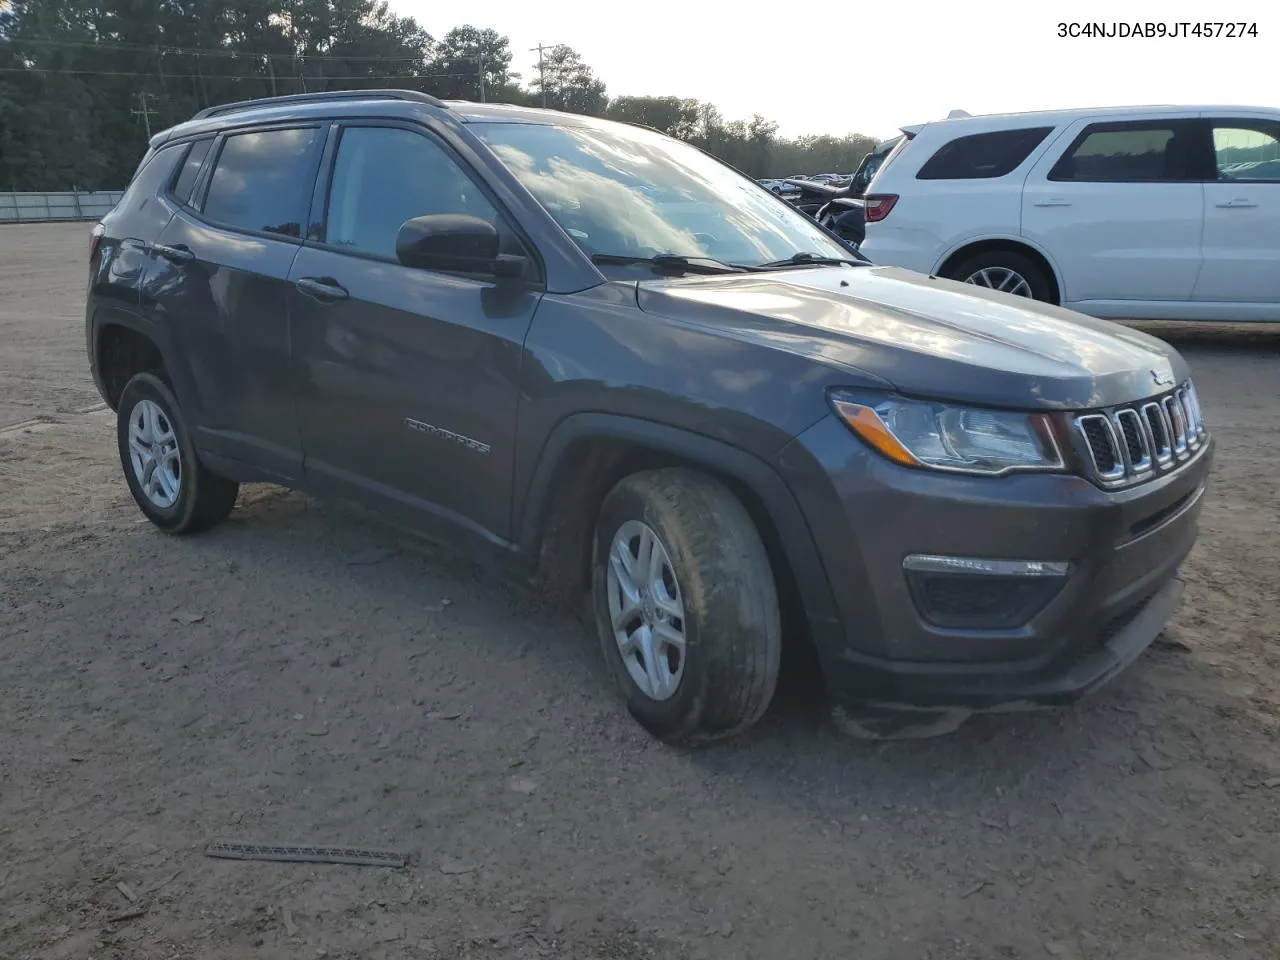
(1002, 279)
(154, 454)
(646, 610)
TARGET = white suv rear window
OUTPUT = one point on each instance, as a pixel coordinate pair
(983, 156)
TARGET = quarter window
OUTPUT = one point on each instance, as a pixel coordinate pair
(190, 169)
(262, 181)
(383, 176)
(1247, 150)
(1144, 152)
(149, 181)
(983, 156)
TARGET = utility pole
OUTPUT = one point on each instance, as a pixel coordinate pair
(143, 109)
(480, 59)
(542, 71)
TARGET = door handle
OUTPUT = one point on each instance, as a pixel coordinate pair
(179, 253)
(324, 289)
(1053, 202)
(1237, 202)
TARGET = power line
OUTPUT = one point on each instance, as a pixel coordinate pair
(164, 48)
(228, 76)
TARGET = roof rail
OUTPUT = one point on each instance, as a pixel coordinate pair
(320, 97)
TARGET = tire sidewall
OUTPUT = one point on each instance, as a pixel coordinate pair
(682, 711)
(148, 386)
(1010, 260)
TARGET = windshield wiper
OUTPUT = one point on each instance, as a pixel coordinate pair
(804, 259)
(674, 261)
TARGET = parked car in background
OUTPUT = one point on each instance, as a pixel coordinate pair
(1138, 212)
(870, 165)
(780, 187)
(600, 356)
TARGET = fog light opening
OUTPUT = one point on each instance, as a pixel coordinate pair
(980, 594)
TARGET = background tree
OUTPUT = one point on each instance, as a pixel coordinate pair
(465, 56)
(82, 80)
(564, 82)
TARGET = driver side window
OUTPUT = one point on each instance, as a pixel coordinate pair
(383, 176)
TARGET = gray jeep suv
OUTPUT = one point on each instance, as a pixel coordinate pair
(598, 354)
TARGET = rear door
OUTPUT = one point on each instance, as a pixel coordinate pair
(1242, 215)
(220, 282)
(1118, 206)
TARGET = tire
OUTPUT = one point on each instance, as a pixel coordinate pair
(724, 678)
(199, 498)
(1009, 261)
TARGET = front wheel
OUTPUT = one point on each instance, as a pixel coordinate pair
(686, 606)
(172, 487)
(1007, 271)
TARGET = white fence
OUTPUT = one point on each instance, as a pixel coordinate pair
(44, 207)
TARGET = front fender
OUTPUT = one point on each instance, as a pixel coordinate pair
(792, 532)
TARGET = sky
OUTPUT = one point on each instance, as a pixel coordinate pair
(870, 67)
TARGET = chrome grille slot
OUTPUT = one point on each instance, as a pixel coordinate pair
(1100, 438)
(1159, 431)
(1179, 421)
(1134, 439)
(1189, 415)
(1133, 442)
(1195, 406)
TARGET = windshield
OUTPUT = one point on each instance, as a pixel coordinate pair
(628, 192)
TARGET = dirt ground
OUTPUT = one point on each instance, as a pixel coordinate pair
(296, 676)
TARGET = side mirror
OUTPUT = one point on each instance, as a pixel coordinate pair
(455, 242)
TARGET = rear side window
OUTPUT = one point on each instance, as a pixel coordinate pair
(1136, 152)
(190, 170)
(262, 181)
(1247, 150)
(983, 156)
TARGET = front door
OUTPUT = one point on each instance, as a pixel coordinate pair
(1242, 218)
(406, 379)
(1118, 206)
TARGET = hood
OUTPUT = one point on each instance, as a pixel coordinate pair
(927, 337)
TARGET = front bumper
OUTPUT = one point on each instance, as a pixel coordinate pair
(867, 515)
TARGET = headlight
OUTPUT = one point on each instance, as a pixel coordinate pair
(915, 433)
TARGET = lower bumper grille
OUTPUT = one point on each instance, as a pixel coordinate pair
(979, 602)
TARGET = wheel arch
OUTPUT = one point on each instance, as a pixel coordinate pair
(1020, 245)
(123, 344)
(586, 454)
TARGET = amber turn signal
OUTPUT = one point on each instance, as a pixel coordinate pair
(867, 424)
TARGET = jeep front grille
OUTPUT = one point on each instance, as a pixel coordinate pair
(1133, 442)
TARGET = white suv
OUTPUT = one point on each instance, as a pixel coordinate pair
(1132, 212)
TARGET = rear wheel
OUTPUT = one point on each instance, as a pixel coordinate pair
(171, 486)
(686, 607)
(1007, 271)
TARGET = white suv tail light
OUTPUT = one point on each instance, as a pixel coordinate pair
(878, 206)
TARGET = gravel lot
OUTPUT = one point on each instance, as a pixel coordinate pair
(296, 676)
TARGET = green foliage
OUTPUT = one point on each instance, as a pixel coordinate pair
(81, 81)
(564, 82)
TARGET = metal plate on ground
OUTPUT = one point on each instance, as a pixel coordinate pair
(305, 853)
